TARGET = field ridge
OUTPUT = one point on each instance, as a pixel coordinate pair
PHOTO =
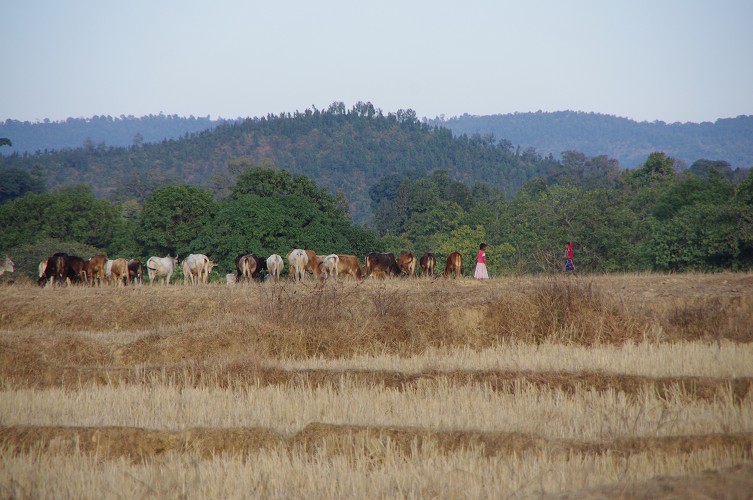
(136, 442)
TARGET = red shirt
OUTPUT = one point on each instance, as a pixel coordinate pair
(569, 250)
(481, 257)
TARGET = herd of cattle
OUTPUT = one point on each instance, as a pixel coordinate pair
(97, 270)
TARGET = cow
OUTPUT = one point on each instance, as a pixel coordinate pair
(275, 264)
(119, 271)
(161, 267)
(63, 267)
(454, 265)
(381, 264)
(7, 266)
(42, 267)
(108, 270)
(428, 263)
(246, 265)
(136, 271)
(196, 268)
(347, 265)
(407, 263)
(297, 261)
(312, 265)
(328, 267)
(208, 266)
(97, 269)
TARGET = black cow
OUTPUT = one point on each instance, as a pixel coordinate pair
(62, 267)
(136, 271)
(381, 264)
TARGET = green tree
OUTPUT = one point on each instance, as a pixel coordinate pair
(172, 217)
(69, 214)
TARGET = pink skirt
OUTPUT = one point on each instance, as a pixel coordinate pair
(480, 273)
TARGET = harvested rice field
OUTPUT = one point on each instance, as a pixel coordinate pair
(592, 387)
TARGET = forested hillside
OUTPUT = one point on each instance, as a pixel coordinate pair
(45, 136)
(628, 141)
(340, 149)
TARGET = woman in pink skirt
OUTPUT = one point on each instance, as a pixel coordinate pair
(481, 273)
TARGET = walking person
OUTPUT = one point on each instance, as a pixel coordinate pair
(569, 264)
(480, 273)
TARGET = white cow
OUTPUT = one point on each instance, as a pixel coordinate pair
(328, 267)
(7, 266)
(108, 270)
(193, 268)
(208, 266)
(161, 267)
(274, 266)
(297, 260)
(42, 267)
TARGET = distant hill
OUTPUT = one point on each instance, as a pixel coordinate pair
(628, 141)
(348, 150)
(28, 137)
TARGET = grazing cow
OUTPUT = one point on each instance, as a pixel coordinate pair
(312, 265)
(230, 278)
(261, 265)
(136, 271)
(42, 267)
(454, 266)
(7, 266)
(428, 263)
(108, 270)
(161, 267)
(97, 269)
(54, 268)
(297, 261)
(275, 264)
(63, 267)
(208, 266)
(328, 267)
(119, 271)
(381, 264)
(347, 265)
(195, 268)
(407, 263)
(246, 265)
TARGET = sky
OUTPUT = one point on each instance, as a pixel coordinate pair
(647, 60)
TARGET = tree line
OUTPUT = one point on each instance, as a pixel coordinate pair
(654, 218)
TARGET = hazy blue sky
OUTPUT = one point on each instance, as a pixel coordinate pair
(670, 60)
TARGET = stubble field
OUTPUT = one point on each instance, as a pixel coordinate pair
(603, 386)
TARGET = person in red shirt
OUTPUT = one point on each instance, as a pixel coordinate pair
(481, 273)
(569, 264)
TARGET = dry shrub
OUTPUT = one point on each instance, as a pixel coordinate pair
(344, 321)
(712, 318)
(562, 311)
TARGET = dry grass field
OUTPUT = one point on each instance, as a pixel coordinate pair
(593, 387)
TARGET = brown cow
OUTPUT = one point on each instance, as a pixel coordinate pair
(96, 269)
(119, 271)
(428, 263)
(312, 265)
(407, 262)
(454, 265)
(348, 265)
(136, 271)
(246, 266)
(381, 264)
